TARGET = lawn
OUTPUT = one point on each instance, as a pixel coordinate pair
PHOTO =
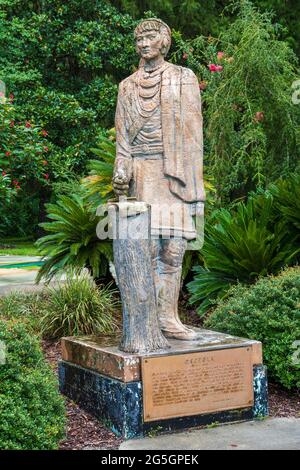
(18, 247)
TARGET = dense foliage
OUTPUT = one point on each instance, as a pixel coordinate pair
(62, 63)
(97, 187)
(32, 413)
(245, 242)
(24, 170)
(251, 124)
(269, 312)
(209, 17)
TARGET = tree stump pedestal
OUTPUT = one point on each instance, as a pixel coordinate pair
(131, 229)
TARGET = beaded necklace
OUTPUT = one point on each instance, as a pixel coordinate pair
(147, 90)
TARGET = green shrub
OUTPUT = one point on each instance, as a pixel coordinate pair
(6, 191)
(253, 126)
(23, 307)
(32, 415)
(268, 311)
(78, 307)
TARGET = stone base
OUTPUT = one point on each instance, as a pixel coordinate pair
(114, 386)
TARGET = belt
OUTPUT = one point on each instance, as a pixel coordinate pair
(145, 149)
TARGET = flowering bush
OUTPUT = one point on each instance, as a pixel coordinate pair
(252, 128)
(6, 191)
(24, 169)
(23, 150)
(63, 61)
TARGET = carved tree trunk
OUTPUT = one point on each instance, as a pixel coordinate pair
(132, 258)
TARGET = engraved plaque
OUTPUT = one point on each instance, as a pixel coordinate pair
(196, 383)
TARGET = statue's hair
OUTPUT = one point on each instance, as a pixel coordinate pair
(154, 24)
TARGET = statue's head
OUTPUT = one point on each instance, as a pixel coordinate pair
(152, 38)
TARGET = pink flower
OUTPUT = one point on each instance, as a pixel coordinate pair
(11, 97)
(212, 67)
(184, 56)
(27, 124)
(203, 85)
(215, 68)
(46, 149)
(45, 133)
(1, 93)
(7, 154)
(12, 123)
(220, 55)
(46, 176)
(4, 173)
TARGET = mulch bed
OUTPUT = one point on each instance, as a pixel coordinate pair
(283, 403)
(86, 432)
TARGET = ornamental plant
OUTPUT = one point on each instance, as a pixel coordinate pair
(97, 187)
(71, 239)
(78, 307)
(244, 243)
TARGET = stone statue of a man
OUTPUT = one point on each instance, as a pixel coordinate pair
(159, 160)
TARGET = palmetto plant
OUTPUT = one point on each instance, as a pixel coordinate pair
(98, 185)
(286, 193)
(72, 239)
(240, 246)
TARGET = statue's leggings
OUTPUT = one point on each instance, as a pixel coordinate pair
(167, 256)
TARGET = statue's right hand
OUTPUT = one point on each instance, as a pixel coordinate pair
(120, 182)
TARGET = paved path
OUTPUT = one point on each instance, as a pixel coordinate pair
(269, 434)
(18, 279)
(12, 259)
